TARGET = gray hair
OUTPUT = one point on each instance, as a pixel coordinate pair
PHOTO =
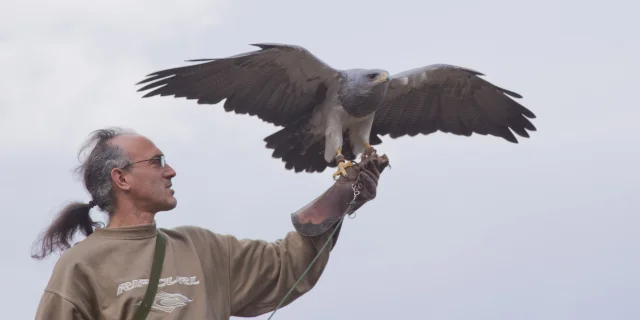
(96, 172)
(97, 166)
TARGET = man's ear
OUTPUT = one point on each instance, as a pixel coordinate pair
(120, 179)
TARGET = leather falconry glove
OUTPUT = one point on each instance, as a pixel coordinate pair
(326, 210)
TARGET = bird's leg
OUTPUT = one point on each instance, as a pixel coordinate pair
(342, 165)
(368, 151)
(360, 133)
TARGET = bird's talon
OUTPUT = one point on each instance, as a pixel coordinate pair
(342, 166)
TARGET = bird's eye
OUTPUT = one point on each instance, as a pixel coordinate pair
(372, 76)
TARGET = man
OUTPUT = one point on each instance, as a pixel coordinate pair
(204, 275)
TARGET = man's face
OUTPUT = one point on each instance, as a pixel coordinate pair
(147, 182)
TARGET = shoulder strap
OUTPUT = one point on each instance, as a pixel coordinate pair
(156, 269)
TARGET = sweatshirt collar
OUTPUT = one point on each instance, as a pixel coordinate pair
(142, 231)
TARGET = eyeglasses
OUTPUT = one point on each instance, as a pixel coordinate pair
(160, 160)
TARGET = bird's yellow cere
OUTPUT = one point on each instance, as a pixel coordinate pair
(383, 77)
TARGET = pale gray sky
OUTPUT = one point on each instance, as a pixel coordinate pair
(463, 228)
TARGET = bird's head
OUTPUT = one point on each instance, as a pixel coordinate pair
(376, 76)
(367, 78)
(367, 81)
(363, 90)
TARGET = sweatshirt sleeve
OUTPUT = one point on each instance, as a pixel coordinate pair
(54, 307)
(261, 273)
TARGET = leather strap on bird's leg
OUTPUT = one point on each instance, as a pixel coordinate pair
(321, 214)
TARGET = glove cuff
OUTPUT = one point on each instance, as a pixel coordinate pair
(321, 214)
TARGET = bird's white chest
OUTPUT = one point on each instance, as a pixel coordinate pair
(334, 117)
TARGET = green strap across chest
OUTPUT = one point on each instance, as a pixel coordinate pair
(156, 269)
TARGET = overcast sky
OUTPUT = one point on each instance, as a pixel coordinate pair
(463, 228)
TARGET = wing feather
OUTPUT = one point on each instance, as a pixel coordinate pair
(450, 99)
(278, 83)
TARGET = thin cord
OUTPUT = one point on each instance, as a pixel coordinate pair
(313, 261)
(356, 187)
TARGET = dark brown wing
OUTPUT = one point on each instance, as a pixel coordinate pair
(450, 99)
(278, 83)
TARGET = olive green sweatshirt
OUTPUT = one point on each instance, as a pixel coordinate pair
(205, 275)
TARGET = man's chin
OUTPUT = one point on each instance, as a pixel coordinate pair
(170, 204)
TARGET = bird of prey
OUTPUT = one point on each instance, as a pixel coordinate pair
(329, 116)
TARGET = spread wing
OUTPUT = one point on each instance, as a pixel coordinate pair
(449, 99)
(278, 83)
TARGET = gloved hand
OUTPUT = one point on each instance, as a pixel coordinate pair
(322, 213)
(365, 176)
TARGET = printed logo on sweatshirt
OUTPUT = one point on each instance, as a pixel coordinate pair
(168, 302)
(163, 282)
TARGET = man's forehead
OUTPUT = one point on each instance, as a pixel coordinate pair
(136, 145)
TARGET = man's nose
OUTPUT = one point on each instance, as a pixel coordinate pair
(170, 172)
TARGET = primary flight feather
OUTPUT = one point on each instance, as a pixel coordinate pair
(328, 115)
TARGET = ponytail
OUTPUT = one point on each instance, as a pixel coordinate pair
(96, 172)
(74, 217)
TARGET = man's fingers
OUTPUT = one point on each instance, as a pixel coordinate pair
(371, 176)
(371, 165)
(368, 171)
(369, 185)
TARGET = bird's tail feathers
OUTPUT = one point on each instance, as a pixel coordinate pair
(296, 147)
(301, 151)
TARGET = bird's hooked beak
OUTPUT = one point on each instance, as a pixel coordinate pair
(384, 77)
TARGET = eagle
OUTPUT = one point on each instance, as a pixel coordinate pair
(327, 116)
